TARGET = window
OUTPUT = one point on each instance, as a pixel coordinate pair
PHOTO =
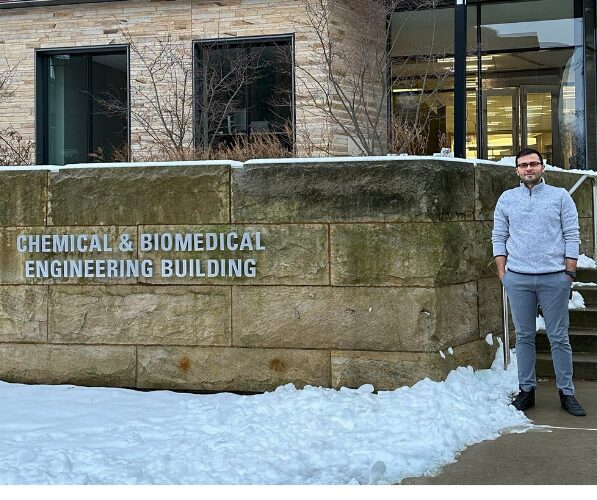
(530, 79)
(243, 87)
(82, 105)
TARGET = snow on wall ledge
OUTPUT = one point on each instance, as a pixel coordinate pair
(219, 276)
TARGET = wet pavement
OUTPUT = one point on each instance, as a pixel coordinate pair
(561, 449)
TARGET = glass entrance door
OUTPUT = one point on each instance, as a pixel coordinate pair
(539, 105)
(518, 117)
(500, 122)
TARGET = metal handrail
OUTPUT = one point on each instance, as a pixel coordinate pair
(505, 315)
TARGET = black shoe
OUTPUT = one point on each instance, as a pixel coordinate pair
(571, 405)
(524, 400)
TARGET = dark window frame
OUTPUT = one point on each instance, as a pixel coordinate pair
(243, 41)
(41, 91)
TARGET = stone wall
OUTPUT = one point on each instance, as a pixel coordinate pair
(369, 270)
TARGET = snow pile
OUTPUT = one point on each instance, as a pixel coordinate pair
(76, 435)
(576, 302)
(586, 262)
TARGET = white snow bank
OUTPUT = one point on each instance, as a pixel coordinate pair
(576, 302)
(586, 262)
(77, 435)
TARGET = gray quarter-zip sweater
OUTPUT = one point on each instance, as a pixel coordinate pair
(536, 229)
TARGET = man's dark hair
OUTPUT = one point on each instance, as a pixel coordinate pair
(526, 152)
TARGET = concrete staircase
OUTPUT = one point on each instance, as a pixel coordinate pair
(583, 333)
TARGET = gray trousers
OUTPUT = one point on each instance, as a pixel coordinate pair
(551, 291)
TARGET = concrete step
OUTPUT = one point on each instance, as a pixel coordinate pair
(589, 294)
(584, 319)
(585, 365)
(580, 340)
(586, 275)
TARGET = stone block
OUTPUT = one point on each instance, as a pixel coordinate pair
(389, 371)
(583, 196)
(23, 200)
(230, 369)
(490, 307)
(12, 262)
(587, 236)
(354, 318)
(376, 191)
(139, 195)
(294, 254)
(410, 254)
(490, 182)
(23, 314)
(106, 366)
(139, 315)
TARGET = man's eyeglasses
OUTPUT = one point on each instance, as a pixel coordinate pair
(532, 164)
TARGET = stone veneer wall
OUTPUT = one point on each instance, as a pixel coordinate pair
(24, 30)
(370, 269)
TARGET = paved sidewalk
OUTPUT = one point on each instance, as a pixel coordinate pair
(539, 456)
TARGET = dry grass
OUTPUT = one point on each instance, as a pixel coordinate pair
(243, 148)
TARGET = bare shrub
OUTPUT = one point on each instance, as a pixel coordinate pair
(350, 75)
(242, 148)
(14, 149)
(408, 137)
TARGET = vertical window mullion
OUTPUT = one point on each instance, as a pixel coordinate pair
(248, 80)
(89, 106)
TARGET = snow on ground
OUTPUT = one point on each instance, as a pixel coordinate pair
(77, 435)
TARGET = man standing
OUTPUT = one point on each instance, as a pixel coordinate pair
(536, 233)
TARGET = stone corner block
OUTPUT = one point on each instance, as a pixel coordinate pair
(355, 318)
(410, 254)
(490, 182)
(391, 370)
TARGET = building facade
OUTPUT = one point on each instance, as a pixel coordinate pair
(91, 79)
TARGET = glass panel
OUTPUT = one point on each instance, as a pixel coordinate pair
(538, 111)
(423, 83)
(500, 128)
(67, 108)
(590, 84)
(423, 31)
(558, 74)
(87, 106)
(530, 24)
(109, 118)
(243, 88)
(270, 90)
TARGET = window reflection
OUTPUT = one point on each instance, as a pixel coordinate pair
(532, 62)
